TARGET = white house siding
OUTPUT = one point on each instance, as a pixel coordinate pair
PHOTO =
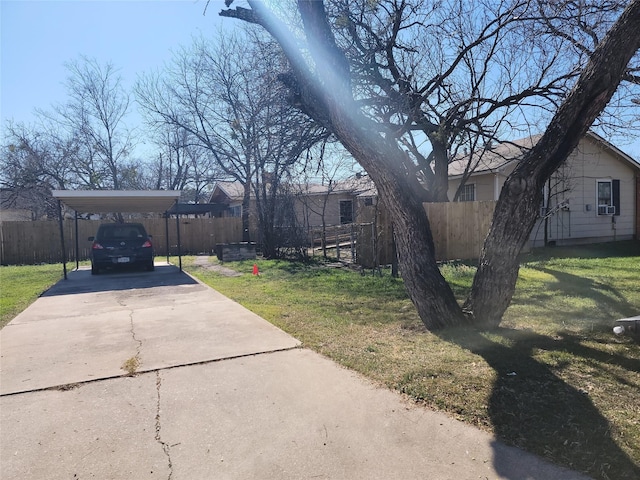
(576, 223)
(590, 162)
(488, 185)
(579, 222)
(309, 208)
(484, 187)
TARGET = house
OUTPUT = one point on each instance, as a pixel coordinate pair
(229, 194)
(336, 203)
(24, 205)
(593, 197)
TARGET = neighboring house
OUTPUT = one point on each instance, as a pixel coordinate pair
(339, 202)
(230, 195)
(22, 206)
(593, 197)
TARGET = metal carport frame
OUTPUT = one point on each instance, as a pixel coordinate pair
(114, 201)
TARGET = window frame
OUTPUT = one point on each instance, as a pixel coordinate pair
(464, 194)
(607, 208)
(343, 217)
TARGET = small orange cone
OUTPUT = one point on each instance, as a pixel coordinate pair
(255, 269)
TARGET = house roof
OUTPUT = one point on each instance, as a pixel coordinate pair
(108, 201)
(497, 158)
(609, 146)
(357, 185)
(232, 190)
(493, 159)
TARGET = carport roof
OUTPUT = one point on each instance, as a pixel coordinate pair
(107, 201)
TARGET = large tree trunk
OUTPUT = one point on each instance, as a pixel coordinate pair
(329, 100)
(402, 197)
(325, 95)
(521, 196)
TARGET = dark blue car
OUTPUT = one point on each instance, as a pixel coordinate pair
(121, 244)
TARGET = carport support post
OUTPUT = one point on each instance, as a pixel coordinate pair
(64, 253)
(166, 228)
(179, 246)
(77, 243)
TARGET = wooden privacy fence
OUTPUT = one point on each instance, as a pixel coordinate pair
(29, 243)
(458, 228)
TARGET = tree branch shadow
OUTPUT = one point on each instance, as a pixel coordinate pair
(609, 300)
(532, 408)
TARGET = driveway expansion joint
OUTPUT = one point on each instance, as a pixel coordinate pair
(73, 385)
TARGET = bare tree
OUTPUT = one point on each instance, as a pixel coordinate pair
(181, 164)
(95, 112)
(229, 101)
(324, 79)
(582, 25)
(35, 160)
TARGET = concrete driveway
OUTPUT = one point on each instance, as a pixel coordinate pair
(218, 393)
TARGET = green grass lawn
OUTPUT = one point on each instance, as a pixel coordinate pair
(553, 379)
(21, 285)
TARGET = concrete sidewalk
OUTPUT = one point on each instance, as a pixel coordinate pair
(219, 394)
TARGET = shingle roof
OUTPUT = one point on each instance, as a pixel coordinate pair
(494, 158)
(362, 186)
(233, 190)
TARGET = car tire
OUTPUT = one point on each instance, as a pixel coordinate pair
(94, 269)
(151, 267)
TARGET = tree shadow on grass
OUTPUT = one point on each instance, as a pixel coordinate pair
(626, 248)
(611, 303)
(532, 408)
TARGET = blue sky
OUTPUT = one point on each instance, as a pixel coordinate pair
(39, 36)
(136, 36)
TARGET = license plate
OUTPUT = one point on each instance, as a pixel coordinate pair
(123, 259)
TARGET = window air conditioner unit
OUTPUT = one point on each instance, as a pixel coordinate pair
(606, 210)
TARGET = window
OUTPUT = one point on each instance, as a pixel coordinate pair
(608, 197)
(235, 211)
(468, 193)
(346, 211)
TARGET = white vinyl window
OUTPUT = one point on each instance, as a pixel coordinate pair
(468, 193)
(604, 194)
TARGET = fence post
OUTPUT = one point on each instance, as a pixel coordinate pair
(353, 244)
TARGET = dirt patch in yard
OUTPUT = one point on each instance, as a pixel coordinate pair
(203, 262)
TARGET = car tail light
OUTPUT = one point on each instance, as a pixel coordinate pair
(146, 244)
(97, 246)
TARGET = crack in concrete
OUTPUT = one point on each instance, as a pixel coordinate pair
(132, 364)
(166, 448)
(133, 335)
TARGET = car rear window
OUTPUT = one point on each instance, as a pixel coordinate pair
(121, 231)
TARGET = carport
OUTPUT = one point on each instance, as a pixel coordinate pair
(117, 201)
